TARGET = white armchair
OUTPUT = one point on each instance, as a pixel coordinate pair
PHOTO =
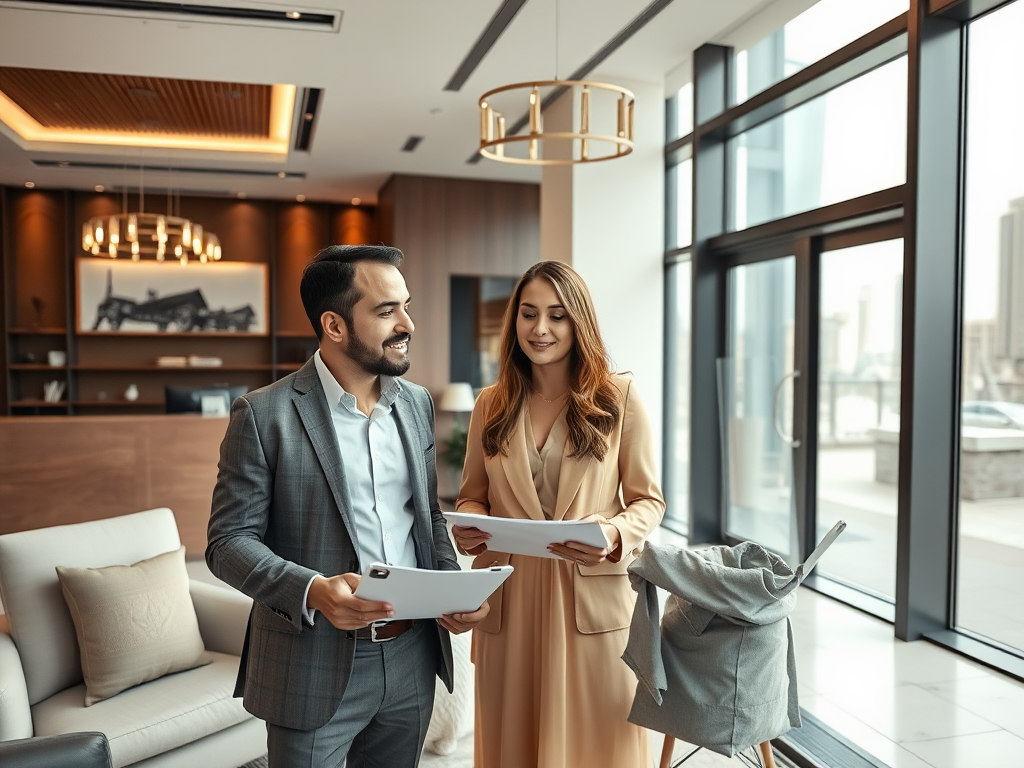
(185, 719)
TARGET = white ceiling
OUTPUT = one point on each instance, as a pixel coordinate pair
(383, 75)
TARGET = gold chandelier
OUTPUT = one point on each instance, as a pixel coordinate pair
(141, 235)
(568, 147)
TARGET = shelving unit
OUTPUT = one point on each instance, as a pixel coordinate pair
(41, 230)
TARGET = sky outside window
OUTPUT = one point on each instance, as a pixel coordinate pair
(822, 29)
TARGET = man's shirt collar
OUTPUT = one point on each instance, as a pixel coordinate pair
(390, 387)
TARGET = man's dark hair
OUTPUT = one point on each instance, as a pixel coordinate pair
(328, 280)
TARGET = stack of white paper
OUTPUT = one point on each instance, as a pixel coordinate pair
(531, 537)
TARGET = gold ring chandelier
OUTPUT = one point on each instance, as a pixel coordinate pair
(149, 234)
(584, 145)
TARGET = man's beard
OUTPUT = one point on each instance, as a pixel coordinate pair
(377, 362)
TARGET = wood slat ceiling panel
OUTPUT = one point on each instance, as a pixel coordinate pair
(85, 101)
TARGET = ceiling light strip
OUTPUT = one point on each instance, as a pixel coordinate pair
(498, 24)
(74, 165)
(307, 118)
(294, 18)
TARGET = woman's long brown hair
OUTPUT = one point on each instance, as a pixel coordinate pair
(593, 408)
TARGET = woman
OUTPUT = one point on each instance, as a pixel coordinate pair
(556, 438)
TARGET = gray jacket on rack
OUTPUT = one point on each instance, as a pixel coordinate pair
(720, 670)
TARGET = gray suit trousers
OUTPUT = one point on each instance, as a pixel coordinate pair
(383, 717)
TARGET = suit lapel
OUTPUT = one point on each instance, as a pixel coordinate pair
(517, 469)
(570, 478)
(311, 404)
(413, 433)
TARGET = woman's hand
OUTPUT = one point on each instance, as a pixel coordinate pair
(457, 623)
(584, 554)
(471, 541)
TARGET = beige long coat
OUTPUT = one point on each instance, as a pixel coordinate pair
(551, 688)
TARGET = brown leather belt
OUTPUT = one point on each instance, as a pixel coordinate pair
(379, 633)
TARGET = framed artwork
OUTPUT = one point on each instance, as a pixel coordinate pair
(120, 296)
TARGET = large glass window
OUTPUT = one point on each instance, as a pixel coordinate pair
(848, 142)
(990, 567)
(756, 404)
(680, 179)
(677, 401)
(684, 111)
(822, 29)
(858, 407)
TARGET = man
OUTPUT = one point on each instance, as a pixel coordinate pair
(322, 473)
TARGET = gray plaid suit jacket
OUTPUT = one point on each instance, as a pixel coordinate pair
(281, 514)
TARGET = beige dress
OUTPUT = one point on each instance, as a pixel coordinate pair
(549, 696)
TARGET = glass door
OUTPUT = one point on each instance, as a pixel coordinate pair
(756, 405)
(859, 367)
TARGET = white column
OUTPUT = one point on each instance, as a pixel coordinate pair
(607, 220)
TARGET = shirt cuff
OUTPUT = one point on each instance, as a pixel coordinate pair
(309, 613)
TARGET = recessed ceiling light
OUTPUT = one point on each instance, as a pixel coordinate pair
(293, 15)
(241, 195)
(30, 184)
(356, 201)
(300, 198)
(281, 174)
(99, 187)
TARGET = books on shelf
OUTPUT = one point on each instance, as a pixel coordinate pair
(183, 361)
(172, 361)
(200, 361)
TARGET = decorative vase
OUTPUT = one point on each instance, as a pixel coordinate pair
(132, 393)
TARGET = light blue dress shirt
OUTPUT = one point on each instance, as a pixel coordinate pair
(376, 473)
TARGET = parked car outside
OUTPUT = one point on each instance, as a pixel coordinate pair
(993, 413)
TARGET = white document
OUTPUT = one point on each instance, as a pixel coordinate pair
(531, 537)
(418, 593)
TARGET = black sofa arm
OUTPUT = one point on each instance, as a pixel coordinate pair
(81, 750)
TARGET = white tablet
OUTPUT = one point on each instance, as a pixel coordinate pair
(417, 593)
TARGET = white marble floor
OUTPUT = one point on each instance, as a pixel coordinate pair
(911, 705)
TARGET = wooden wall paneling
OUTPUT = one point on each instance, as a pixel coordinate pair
(57, 472)
(303, 229)
(5, 289)
(243, 226)
(39, 257)
(384, 214)
(454, 227)
(352, 225)
(90, 204)
(95, 467)
(421, 211)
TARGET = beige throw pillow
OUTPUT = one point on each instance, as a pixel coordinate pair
(134, 623)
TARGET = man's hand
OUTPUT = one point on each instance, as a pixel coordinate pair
(334, 597)
(471, 541)
(457, 623)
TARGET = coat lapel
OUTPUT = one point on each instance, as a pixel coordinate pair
(570, 478)
(311, 404)
(517, 469)
(413, 433)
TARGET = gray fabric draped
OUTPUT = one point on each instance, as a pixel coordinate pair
(720, 670)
